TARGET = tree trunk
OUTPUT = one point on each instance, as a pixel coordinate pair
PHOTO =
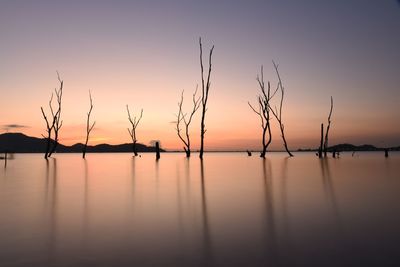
(46, 154)
(202, 135)
(55, 144)
(187, 151)
(134, 149)
(322, 141)
(285, 144)
(84, 152)
(157, 151)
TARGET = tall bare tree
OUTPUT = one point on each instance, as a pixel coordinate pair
(132, 132)
(205, 87)
(89, 127)
(181, 117)
(54, 123)
(327, 129)
(263, 111)
(278, 113)
(58, 122)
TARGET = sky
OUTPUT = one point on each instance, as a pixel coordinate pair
(144, 53)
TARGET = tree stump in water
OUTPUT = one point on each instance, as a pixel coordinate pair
(157, 151)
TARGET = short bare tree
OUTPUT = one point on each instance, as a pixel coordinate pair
(89, 126)
(182, 117)
(320, 149)
(323, 147)
(327, 129)
(58, 122)
(263, 111)
(205, 87)
(278, 113)
(54, 123)
(132, 131)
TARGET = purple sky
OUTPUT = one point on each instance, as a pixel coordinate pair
(143, 53)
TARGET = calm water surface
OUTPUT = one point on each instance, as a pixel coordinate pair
(230, 210)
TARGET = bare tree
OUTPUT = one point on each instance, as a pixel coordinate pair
(181, 117)
(263, 111)
(89, 126)
(54, 123)
(132, 132)
(327, 129)
(58, 122)
(49, 129)
(205, 87)
(321, 141)
(278, 113)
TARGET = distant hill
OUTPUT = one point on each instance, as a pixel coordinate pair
(20, 143)
(350, 147)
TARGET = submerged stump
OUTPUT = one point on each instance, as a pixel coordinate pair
(157, 151)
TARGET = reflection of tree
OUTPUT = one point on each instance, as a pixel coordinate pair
(272, 249)
(179, 200)
(187, 179)
(86, 204)
(207, 245)
(51, 206)
(328, 186)
(133, 180)
(284, 195)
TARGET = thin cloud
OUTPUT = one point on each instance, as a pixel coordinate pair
(7, 127)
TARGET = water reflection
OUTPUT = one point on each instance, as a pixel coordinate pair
(328, 185)
(284, 197)
(51, 207)
(133, 178)
(115, 210)
(86, 198)
(271, 238)
(181, 225)
(207, 242)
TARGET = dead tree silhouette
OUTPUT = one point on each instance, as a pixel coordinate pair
(278, 113)
(323, 147)
(263, 111)
(157, 150)
(327, 129)
(89, 127)
(205, 87)
(321, 141)
(58, 122)
(54, 123)
(181, 117)
(132, 132)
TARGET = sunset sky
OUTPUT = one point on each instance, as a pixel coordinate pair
(144, 53)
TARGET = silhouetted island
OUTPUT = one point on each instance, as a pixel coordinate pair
(21, 143)
(350, 147)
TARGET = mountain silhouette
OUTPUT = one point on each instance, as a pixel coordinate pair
(350, 148)
(21, 143)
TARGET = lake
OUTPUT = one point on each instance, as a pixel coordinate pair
(229, 210)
